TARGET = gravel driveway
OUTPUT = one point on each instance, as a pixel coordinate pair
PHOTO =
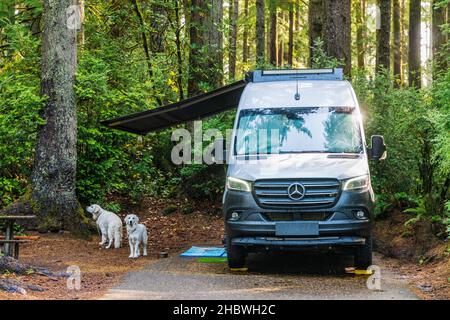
(270, 276)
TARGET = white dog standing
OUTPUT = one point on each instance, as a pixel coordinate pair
(137, 234)
(109, 224)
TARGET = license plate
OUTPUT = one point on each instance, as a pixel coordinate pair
(297, 229)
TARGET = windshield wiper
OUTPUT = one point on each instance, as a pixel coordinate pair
(319, 151)
(312, 151)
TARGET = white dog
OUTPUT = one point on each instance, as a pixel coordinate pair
(109, 224)
(137, 234)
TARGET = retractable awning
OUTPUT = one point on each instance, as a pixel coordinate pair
(191, 109)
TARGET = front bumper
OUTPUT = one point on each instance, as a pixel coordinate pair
(298, 242)
(340, 228)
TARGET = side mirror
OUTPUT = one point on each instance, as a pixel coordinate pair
(378, 149)
(219, 153)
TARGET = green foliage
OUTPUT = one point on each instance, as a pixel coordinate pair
(321, 59)
(20, 104)
(415, 124)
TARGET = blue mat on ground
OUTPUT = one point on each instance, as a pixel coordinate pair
(204, 252)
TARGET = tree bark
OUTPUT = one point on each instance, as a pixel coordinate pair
(397, 43)
(158, 24)
(179, 53)
(245, 46)
(206, 41)
(81, 36)
(359, 33)
(260, 33)
(273, 34)
(280, 53)
(414, 73)
(403, 41)
(234, 15)
(214, 42)
(145, 46)
(383, 56)
(315, 21)
(291, 35)
(438, 37)
(53, 194)
(337, 32)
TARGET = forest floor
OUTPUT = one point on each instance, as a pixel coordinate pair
(174, 232)
(101, 268)
(415, 252)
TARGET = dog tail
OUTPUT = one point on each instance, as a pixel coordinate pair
(118, 238)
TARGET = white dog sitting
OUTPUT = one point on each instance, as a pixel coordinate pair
(109, 224)
(137, 234)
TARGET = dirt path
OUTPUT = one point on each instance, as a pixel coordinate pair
(285, 276)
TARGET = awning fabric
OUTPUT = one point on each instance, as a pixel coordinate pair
(191, 109)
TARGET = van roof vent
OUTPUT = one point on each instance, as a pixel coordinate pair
(295, 74)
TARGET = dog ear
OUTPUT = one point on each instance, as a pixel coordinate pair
(137, 219)
(96, 208)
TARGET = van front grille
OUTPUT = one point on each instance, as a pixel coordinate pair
(313, 193)
(297, 216)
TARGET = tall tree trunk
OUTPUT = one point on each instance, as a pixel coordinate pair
(315, 21)
(297, 15)
(214, 42)
(337, 32)
(359, 33)
(81, 36)
(403, 41)
(273, 34)
(145, 46)
(260, 32)
(54, 172)
(438, 37)
(280, 53)
(414, 74)
(179, 53)
(158, 24)
(245, 46)
(397, 44)
(196, 26)
(383, 56)
(206, 41)
(291, 35)
(234, 15)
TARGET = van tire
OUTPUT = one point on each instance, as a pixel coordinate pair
(235, 255)
(363, 255)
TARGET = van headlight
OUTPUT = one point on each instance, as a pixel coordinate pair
(238, 184)
(356, 183)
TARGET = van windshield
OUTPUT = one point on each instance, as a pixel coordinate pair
(298, 130)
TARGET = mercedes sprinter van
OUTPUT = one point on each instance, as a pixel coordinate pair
(298, 174)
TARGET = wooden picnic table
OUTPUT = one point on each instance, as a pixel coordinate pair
(9, 234)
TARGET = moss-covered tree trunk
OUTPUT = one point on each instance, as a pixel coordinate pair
(273, 33)
(360, 26)
(414, 72)
(337, 32)
(290, 54)
(245, 46)
(233, 17)
(260, 32)
(315, 22)
(383, 56)
(206, 44)
(53, 195)
(397, 42)
(438, 35)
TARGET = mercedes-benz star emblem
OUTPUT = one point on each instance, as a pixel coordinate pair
(296, 191)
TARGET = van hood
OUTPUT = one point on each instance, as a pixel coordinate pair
(279, 166)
